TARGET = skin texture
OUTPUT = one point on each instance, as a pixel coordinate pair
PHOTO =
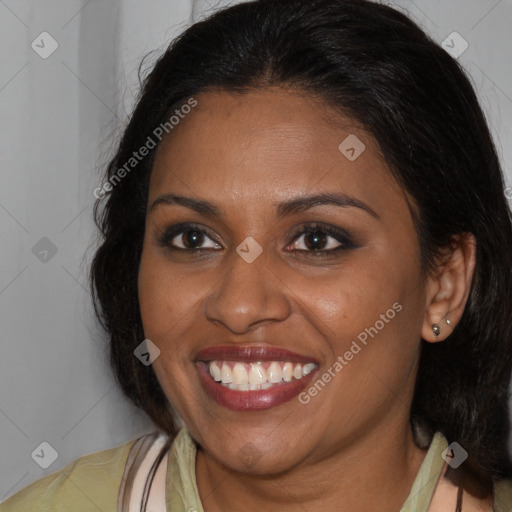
(351, 443)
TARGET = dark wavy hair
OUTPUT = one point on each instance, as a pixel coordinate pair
(374, 65)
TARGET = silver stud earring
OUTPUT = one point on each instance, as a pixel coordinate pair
(448, 322)
(436, 329)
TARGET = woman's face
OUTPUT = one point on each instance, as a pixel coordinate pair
(301, 256)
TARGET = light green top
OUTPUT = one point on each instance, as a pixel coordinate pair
(91, 483)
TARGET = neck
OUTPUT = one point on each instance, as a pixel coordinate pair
(374, 473)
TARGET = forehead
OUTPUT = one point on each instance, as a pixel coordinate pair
(267, 144)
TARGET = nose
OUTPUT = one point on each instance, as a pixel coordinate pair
(248, 294)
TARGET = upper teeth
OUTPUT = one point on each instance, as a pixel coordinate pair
(253, 376)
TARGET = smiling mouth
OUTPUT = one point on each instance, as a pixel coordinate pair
(241, 376)
(253, 378)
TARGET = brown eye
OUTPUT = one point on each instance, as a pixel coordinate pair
(192, 239)
(187, 237)
(315, 240)
(321, 240)
(318, 240)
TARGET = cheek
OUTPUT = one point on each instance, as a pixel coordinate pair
(376, 301)
(350, 299)
(166, 300)
(152, 299)
(166, 296)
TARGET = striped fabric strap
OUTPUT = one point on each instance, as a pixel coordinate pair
(446, 492)
(142, 487)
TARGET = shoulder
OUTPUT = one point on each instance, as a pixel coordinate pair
(445, 498)
(503, 495)
(90, 482)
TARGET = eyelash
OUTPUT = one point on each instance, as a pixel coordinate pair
(338, 234)
(345, 240)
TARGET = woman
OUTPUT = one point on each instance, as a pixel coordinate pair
(306, 257)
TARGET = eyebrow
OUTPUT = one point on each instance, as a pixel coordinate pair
(289, 207)
(301, 204)
(198, 205)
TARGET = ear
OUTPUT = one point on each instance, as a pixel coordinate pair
(448, 287)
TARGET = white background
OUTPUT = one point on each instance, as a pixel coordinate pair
(58, 119)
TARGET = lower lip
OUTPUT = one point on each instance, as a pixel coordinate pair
(257, 400)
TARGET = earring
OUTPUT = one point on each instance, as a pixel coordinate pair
(436, 329)
(448, 322)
